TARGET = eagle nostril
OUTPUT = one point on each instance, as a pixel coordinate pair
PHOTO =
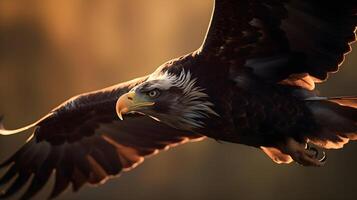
(130, 98)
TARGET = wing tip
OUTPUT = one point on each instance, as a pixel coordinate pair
(1, 122)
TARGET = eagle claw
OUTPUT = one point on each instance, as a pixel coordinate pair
(304, 154)
(320, 155)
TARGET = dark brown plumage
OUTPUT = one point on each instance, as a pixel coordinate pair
(252, 82)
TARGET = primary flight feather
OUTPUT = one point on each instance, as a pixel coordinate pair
(251, 82)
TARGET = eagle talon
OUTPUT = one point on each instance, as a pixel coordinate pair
(323, 158)
(303, 154)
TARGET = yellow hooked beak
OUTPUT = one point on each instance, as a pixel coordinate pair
(130, 102)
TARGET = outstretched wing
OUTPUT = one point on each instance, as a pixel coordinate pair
(295, 41)
(83, 141)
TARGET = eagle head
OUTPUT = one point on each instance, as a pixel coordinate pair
(174, 99)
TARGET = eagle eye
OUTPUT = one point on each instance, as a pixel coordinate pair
(153, 93)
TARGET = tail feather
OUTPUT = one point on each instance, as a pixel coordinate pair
(336, 119)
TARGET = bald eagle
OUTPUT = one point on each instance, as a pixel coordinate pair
(251, 82)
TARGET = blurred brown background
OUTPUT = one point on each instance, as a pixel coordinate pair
(51, 50)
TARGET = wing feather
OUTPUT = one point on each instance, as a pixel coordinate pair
(83, 141)
(280, 40)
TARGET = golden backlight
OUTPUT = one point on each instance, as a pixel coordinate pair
(52, 50)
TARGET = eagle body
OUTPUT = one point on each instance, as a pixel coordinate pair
(250, 110)
(251, 82)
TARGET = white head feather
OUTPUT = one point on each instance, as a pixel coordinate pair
(193, 106)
